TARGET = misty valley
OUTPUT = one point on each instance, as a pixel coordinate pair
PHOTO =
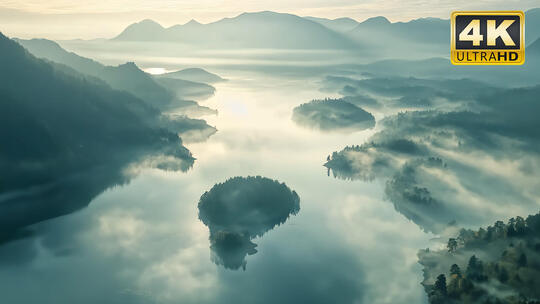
(268, 158)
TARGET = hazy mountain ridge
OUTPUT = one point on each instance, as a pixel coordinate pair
(126, 76)
(418, 34)
(251, 30)
(67, 137)
(532, 25)
(420, 37)
(534, 48)
(343, 25)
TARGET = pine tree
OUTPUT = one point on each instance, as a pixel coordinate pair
(440, 284)
(454, 270)
(452, 245)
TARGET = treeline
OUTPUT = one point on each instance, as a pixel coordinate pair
(510, 274)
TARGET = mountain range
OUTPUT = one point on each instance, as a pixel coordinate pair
(127, 77)
(248, 30)
(277, 30)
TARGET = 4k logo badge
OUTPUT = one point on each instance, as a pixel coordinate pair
(488, 37)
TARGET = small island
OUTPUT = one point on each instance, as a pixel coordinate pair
(241, 209)
(333, 115)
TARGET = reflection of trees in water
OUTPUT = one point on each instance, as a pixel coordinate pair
(38, 203)
(230, 249)
(241, 209)
(65, 138)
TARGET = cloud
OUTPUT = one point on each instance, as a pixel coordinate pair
(317, 274)
(241, 209)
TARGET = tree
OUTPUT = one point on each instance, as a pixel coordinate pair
(522, 260)
(510, 229)
(533, 223)
(499, 228)
(454, 270)
(440, 284)
(521, 226)
(475, 269)
(481, 234)
(452, 245)
(489, 233)
(453, 287)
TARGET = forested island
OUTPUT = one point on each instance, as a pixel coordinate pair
(241, 209)
(332, 115)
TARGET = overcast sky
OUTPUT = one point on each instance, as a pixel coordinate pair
(66, 19)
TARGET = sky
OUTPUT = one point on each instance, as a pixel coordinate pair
(85, 19)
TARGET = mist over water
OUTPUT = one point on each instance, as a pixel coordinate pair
(154, 248)
(291, 175)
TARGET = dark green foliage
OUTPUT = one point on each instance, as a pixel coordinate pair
(454, 270)
(481, 123)
(65, 138)
(451, 245)
(332, 114)
(126, 77)
(440, 284)
(475, 270)
(506, 276)
(241, 209)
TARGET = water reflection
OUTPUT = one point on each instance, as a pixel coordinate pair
(65, 138)
(241, 209)
(143, 242)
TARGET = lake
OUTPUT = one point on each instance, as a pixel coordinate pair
(143, 242)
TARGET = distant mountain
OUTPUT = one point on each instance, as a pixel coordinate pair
(416, 39)
(127, 77)
(421, 35)
(195, 75)
(248, 30)
(339, 25)
(144, 30)
(532, 25)
(533, 48)
(65, 138)
(374, 23)
(418, 32)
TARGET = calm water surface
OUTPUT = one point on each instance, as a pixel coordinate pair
(143, 242)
